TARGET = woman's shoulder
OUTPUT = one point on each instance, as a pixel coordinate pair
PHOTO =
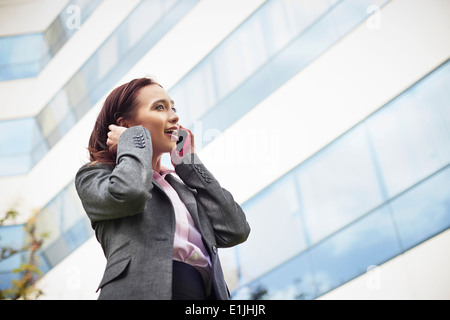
(94, 166)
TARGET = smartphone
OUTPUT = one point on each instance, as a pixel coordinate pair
(182, 137)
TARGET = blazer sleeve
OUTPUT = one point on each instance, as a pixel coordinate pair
(108, 192)
(226, 216)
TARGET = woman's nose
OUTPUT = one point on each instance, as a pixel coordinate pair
(173, 117)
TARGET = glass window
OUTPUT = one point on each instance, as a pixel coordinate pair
(11, 237)
(66, 223)
(78, 234)
(106, 66)
(15, 164)
(54, 112)
(13, 261)
(198, 94)
(72, 210)
(26, 55)
(21, 49)
(167, 4)
(412, 134)
(57, 251)
(16, 71)
(423, 211)
(338, 185)
(142, 20)
(63, 127)
(230, 265)
(239, 56)
(43, 264)
(107, 57)
(351, 251)
(253, 48)
(14, 237)
(77, 88)
(21, 56)
(301, 13)
(351, 13)
(277, 231)
(65, 24)
(16, 136)
(223, 65)
(6, 278)
(178, 95)
(55, 35)
(49, 221)
(291, 281)
(17, 141)
(40, 147)
(277, 29)
(285, 19)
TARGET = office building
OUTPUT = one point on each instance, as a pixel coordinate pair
(328, 120)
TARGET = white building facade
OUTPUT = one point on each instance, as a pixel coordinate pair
(329, 122)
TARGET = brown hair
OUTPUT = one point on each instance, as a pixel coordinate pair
(121, 102)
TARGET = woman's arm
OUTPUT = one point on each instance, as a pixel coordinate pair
(109, 193)
(226, 216)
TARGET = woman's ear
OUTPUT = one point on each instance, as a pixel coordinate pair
(121, 122)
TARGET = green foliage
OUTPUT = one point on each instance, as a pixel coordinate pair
(24, 287)
(11, 214)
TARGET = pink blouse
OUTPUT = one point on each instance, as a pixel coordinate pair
(188, 246)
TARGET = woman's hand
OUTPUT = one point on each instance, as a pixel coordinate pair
(189, 147)
(113, 136)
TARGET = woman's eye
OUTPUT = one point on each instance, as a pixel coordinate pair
(159, 107)
(174, 109)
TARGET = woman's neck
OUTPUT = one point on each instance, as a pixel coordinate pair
(156, 163)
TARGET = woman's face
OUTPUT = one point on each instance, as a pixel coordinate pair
(156, 112)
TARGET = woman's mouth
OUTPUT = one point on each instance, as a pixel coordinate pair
(172, 133)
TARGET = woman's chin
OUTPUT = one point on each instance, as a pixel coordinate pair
(171, 147)
(167, 148)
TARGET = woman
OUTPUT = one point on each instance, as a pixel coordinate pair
(159, 234)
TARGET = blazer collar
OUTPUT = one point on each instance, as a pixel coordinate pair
(186, 195)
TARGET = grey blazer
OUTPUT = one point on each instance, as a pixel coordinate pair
(134, 219)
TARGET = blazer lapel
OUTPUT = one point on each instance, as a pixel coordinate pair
(158, 185)
(186, 195)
